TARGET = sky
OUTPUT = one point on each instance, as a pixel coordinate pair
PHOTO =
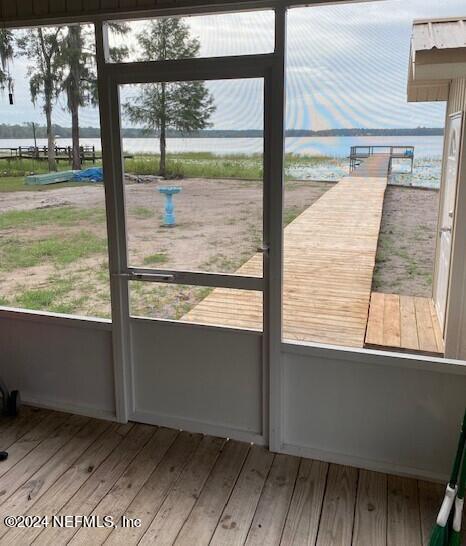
(347, 67)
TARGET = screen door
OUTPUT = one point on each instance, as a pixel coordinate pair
(190, 192)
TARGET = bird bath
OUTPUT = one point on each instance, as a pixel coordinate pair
(169, 213)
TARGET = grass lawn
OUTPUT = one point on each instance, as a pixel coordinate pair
(60, 216)
(16, 183)
(16, 253)
(180, 165)
(208, 165)
(54, 258)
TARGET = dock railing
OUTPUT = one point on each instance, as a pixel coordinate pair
(40, 153)
(359, 153)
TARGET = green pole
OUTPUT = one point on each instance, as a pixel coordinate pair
(455, 539)
(443, 527)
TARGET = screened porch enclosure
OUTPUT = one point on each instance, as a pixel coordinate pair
(265, 403)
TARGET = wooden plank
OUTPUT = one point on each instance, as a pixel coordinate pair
(74, 6)
(409, 324)
(374, 333)
(128, 4)
(8, 9)
(29, 441)
(403, 521)
(336, 524)
(425, 329)
(206, 513)
(329, 258)
(370, 526)
(391, 321)
(41, 7)
(69, 483)
(26, 8)
(430, 500)
(151, 496)
(237, 516)
(179, 503)
(269, 519)
(409, 339)
(91, 5)
(57, 7)
(184, 485)
(68, 426)
(39, 483)
(98, 484)
(109, 4)
(11, 430)
(302, 522)
(126, 488)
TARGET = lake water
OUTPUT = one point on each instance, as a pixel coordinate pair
(427, 153)
(425, 146)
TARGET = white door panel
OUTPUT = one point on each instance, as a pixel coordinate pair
(447, 213)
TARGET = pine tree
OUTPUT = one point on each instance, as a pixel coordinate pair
(76, 84)
(183, 106)
(80, 77)
(42, 48)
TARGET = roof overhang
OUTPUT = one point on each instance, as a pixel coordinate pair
(438, 56)
(22, 13)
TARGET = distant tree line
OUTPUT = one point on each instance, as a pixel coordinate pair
(61, 61)
(25, 131)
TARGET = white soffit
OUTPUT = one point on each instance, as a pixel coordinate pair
(438, 55)
(439, 34)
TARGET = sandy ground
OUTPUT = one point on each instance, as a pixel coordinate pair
(82, 196)
(219, 226)
(406, 251)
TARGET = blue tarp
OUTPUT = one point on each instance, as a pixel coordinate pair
(94, 174)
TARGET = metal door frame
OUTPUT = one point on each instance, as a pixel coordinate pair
(270, 68)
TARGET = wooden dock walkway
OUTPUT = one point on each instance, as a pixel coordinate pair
(375, 165)
(404, 323)
(329, 258)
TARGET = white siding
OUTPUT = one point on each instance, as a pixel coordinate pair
(59, 363)
(457, 99)
(455, 341)
(386, 413)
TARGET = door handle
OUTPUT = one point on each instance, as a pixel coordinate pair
(264, 249)
(445, 229)
(152, 276)
(133, 276)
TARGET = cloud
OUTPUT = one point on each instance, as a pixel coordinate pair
(346, 66)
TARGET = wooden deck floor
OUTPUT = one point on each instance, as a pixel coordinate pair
(329, 258)
(375, 165)
(404, 323)
(190, 489)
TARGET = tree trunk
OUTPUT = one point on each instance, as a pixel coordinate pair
(50, 136)
(163, 152)
(75, 152)
(163, 141)
(74, 97)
